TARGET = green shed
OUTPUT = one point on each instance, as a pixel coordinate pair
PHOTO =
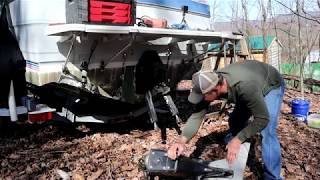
(274, 49)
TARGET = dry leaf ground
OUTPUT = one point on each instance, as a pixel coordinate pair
(53, 150)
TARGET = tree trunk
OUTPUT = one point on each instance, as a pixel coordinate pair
(244, 4)
(300, 50)
(264, 31)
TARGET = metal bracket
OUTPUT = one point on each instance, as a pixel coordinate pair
(173, 109)
(151, 110)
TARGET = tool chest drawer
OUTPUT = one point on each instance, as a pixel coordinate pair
(114, 12)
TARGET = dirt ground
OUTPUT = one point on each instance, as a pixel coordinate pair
(76, 151)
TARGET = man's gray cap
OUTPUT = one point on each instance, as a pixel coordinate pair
(202, 83)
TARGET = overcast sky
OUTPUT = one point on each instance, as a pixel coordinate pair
(224, 8)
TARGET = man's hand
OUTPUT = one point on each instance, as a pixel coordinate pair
(233, 150)
(176, 150)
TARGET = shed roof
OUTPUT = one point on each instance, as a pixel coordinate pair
(256, 42)
(216, 46)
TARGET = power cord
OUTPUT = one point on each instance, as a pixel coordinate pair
(142, 21)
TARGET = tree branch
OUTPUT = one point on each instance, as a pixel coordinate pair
(306, 13)
(294, 12)
(287, 32)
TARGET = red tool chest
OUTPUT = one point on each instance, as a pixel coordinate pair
(110, 12)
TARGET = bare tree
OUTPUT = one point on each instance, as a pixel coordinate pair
(302, 32)
(265, 11)
(299, 14)
(298, 9)
(244, 4)
(274, 22)
(289, 39)
(245, 24)
(235, 16)
(214, 6)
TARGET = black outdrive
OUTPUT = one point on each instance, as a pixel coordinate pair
(158, 164)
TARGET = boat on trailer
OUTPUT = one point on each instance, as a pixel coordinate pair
(103, 72)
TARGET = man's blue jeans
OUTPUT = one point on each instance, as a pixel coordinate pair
(271, 151)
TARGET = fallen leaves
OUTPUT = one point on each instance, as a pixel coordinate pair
(96, 175)
(53, 151)
(300, 143)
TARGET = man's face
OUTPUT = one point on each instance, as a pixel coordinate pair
(213, 94)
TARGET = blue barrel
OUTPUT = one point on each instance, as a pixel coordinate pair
(300, 108)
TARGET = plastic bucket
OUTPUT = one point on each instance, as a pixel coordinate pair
(300, 109)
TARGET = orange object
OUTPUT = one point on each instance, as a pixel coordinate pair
(155, 23)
